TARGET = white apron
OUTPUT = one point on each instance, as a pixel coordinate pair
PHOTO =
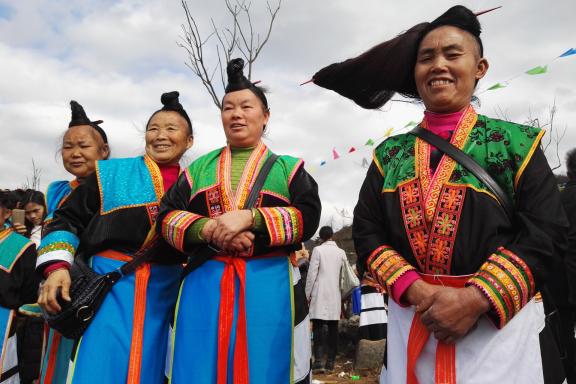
(486, 355)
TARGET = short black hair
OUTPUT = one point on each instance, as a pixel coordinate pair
(8, 199)
(571, 163)
(326, 233)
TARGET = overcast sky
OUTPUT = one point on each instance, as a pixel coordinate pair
(117, 57)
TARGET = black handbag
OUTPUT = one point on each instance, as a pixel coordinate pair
(207, 251)
(88, 290)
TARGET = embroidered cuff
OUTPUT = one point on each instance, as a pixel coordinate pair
(57, 246)
(284, 225)
(54, 257)
(401, 286)
(507, 282)
(174, 227)
(386, 265)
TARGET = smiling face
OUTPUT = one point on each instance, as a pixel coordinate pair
(167, 137)
(448, 64)
(82, 146)
(243, 117)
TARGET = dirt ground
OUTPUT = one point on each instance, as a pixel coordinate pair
(343, 373)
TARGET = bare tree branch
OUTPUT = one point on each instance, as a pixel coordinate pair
(240, 36)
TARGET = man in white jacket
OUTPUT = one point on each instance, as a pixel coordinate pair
(323, 292)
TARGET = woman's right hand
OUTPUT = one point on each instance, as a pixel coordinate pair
(58, 282)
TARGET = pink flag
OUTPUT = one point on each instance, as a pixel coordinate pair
(352, 149)
(335, 154)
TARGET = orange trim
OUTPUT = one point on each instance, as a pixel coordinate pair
(445, 367)
(445, 364)
(233, 267)
(142, 276)
(447, 280)
(52, 358)
(115, 255)
(417, 339)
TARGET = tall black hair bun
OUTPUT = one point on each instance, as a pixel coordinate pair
(235, 70)
(461, 17)
(170, 100)
(78, 115)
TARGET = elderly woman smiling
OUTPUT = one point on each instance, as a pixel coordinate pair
(455, 265)
(105, 220)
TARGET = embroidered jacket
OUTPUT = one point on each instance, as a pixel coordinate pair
(113, 209)
(288, 202)
(449, 223)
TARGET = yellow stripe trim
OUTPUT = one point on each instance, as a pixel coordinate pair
(528, 157)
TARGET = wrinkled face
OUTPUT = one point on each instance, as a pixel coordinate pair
(81, 148)
(34, 213)
(167, 137)
(5, 214)
(448, 64)
(243, 118)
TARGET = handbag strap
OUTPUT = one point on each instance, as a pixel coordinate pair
(142, 255)
(469, 163)
(206, 251)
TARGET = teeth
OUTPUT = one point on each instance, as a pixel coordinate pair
(440, 82)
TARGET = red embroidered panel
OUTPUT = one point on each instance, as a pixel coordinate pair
(412, 206)
(444, 228)
(214, 201)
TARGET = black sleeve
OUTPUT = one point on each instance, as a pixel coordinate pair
(541, 237)
(20, 286)
(569, 201)
(175, 199)
(304, 196)
(369, 226)
(78, 209)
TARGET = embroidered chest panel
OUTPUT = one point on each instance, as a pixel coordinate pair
(211, 178)
(432, 242)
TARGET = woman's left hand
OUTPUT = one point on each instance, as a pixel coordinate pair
(229, 225)
(451, 313)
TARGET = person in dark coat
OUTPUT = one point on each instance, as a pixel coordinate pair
(566, 299)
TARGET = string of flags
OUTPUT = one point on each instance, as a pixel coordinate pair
(538, 70)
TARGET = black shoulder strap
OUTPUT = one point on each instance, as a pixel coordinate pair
(259, 183)
(206, 251)
(468, 163)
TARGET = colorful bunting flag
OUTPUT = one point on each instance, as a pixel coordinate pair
(496, 86)
(352, 149)
(388, 132)
(335, 154)
(537, 70)
(369, 142)
(411, 124)
(365, 163)
(322, 162)
(570, 52)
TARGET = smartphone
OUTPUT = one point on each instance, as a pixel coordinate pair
(18, 216)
